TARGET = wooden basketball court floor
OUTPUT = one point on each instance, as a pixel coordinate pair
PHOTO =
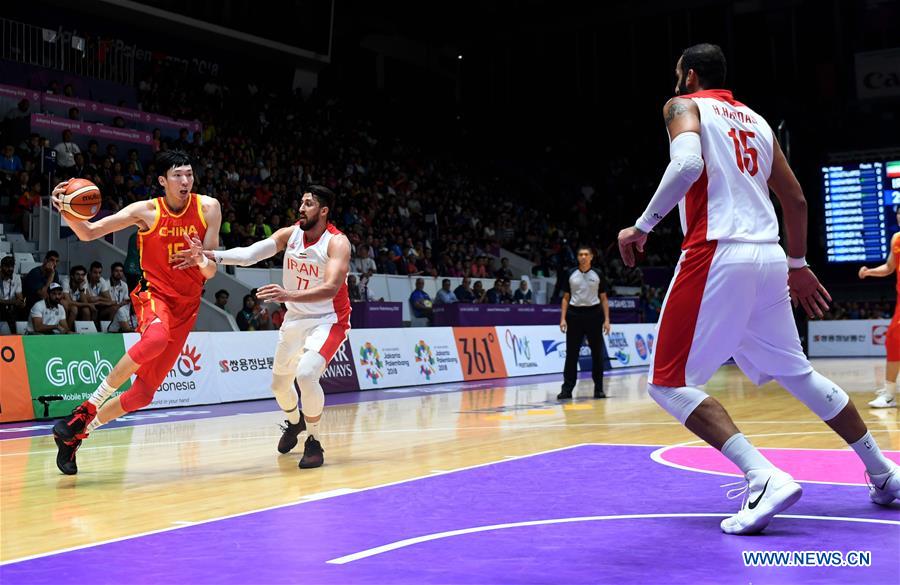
(488, 482)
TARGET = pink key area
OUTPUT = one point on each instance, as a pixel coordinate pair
(821, 465)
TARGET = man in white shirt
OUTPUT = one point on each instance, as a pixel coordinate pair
(125, 320)
(11, 300)
(77, 298)
(99, 292)
(363, 263)
(66, 151)
(445, 295)
(48, 316)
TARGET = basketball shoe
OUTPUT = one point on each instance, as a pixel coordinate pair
(313, 454)
(65, 455)
(73, 427)
(883, 399)
(767, 492)
(289, 434)
(884, 488)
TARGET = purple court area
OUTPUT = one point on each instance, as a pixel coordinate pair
(295, 543)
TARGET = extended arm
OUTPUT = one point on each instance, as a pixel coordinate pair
(885, 269)
(87, 230)
(682, 119)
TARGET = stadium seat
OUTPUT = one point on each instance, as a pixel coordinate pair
(104, 326)
(27, 267)
(85, 327)
(21, 327)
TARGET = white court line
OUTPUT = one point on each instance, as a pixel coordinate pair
(450, 533)
(657, 456)
(336, 493)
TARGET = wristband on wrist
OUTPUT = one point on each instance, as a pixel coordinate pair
(795, 263)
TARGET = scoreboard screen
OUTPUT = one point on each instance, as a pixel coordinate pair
(860, 200)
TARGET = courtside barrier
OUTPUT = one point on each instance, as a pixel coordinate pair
(856, 337)
(47, 376)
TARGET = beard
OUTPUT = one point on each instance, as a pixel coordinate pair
(682, 88)
(309, 224)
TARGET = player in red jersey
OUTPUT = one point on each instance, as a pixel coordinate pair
(884, 398)
(165, 301)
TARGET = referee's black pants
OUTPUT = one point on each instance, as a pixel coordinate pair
(581, 322)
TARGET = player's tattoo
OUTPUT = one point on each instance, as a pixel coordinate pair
(675, 109)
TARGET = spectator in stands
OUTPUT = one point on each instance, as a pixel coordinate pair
(253, 317)
(118, 287)
(25, 204)
(124, 321)
(31, 147)
(464, 292)
(445, 295)
(10, 163)
(477, 268)
(354, 290)
(222, 299)
(94, 158)
(22, 110)
(39, 278)
(497, 294)
(65, 153)
(12, 303)
(260, 230)
(74, 114)
(79, 170)
(278, 316)
(77, 297)
(420, 301)
(479, 292)
(118, 122)
(68, 90)
(133, 271)
(99, 294)
(48, 315)
(363, 263)
(523, 294)
(504, 270)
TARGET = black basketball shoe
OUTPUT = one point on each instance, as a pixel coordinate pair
(289, 434)
(313, 454)
(65, 457)
(566, 394)
(599, 393)
(74, 426)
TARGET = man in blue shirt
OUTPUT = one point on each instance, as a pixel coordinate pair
(420, 300)
(445, 295)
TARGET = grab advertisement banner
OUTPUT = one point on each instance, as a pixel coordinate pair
(858, 337)
(192, 379)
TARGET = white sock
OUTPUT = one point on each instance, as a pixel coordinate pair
(94, 425)
(293, 415)
(871, 455)
(743, 454)
(312, 428)
(890, 388)
(103, 391)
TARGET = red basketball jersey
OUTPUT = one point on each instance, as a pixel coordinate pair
(165, 237)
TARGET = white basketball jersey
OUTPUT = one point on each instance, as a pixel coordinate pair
(730, 201)
(304, 268)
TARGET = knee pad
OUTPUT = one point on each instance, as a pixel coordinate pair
(818, 393)
(309, 370)
(139, 395)
(152, 343)
(283, 389)
(680, 402)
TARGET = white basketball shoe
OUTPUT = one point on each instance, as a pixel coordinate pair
(884, 488)
(883, 399)
(766, 492)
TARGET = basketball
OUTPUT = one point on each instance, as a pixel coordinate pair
(81, 201)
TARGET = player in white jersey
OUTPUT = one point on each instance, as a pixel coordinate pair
(732, 290)
(314, 289)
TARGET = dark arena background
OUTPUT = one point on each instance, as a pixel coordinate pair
(440, 191)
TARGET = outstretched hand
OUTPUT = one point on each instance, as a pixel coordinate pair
(190, 256)
(56, 195)
(806, 291)
(630, 239)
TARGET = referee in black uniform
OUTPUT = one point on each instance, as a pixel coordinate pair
(585, 311)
